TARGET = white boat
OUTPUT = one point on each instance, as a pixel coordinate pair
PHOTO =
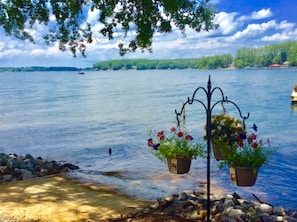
(81, 72)
(294, 96)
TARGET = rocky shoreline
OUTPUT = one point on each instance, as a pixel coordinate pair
(14, 167)
(192, 206)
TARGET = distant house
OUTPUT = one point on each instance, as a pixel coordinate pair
(274, 66)
(286, 64)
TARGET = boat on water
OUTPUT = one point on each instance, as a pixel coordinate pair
(294, 96)
(81, 72)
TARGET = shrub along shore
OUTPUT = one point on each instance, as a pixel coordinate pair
(183, 206)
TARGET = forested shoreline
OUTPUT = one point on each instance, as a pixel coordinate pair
(37, 68)
(284, 55)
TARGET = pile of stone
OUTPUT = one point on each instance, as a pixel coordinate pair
(229, 208)
(14, 167)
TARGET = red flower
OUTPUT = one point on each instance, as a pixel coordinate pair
(189, 137)
(255, 145)
(252, 137)
(180, 134)
(173, 129)
(161, 135)
(240, 142)
(150, 142)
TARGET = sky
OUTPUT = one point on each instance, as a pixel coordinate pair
(243, 23)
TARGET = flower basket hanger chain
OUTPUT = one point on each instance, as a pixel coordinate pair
(209, 106)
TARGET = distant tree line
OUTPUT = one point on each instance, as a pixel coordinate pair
(244, 58)
(265, 56)
(37, 68)
(142, 64)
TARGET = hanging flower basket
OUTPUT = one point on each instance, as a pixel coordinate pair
(178, 165)
(177, 149)
(225, 130)
(243, 176)
(249, 156)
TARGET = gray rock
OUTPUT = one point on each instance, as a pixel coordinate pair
(228, 204)
(182, 196)
(3, 159)
(265, 208)
(11, 163)
(267, 218)
(27, 174)
(14, 167)
(279, 211)
(235, 213)
(29, 156)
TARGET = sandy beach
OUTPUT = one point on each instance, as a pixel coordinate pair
(58, 198)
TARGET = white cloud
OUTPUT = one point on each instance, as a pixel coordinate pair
(226, 21)
(257, 15)
(262, 14)
(279, 37)
(285, 25)
(254, 30)
(275, 37)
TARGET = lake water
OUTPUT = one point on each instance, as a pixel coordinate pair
(77, 118)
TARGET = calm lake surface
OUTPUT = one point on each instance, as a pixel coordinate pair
(64, 116)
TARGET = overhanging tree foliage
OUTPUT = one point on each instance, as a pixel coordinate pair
(67, 20)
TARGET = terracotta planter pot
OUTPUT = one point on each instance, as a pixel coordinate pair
(179, 165)
(244, 176)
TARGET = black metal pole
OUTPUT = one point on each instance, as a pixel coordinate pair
(208, 108)
(208, 135)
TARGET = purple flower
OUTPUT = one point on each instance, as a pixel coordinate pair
(242, 136)
(156, 146)
(255, 127)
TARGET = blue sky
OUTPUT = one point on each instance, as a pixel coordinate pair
(243, 23)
